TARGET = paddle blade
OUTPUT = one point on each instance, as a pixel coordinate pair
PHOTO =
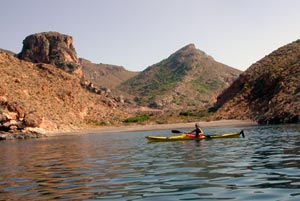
(176, 131)
(242, 133)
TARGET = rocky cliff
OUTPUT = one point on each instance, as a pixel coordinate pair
(51, 48)
(268, 92)
(188, 78)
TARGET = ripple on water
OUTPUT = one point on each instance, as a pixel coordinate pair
(262, 166)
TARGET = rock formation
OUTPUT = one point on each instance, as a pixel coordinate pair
(268, 92)
(51, 48)
(15, 122)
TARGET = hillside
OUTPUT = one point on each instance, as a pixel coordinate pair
(105, 75)
(49, 98)
(188, 78)
(268, 91)
(41, 91)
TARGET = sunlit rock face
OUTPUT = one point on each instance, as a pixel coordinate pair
(51, 48)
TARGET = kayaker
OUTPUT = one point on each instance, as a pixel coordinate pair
(197, 130)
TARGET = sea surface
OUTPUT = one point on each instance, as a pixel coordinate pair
(265, 165)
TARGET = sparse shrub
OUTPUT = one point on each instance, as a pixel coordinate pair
(137, 119)
(184, 114)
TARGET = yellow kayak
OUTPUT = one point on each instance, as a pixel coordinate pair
(188, 136)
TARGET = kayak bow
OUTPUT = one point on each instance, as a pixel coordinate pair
(188, 136)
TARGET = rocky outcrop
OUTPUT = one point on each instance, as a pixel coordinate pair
(94, 89)
(15, 123)
(51, 48)
(267, 92)
(104, 92)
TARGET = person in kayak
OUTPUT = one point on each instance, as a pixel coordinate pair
(198, 132)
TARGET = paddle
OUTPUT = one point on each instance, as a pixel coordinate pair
(242, 133)
(177, 131)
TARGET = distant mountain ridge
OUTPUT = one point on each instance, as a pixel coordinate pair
(268, 91)
(187, 78)
(105, 75)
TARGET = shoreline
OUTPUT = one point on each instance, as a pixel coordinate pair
(136, 128)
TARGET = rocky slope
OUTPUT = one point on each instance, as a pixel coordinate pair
(51, 48)
(43, 96)
(37, 97)
(268, 92)
(188, 78)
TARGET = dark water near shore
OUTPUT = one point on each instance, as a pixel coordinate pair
(263, 166)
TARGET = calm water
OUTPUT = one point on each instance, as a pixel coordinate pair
(263, 166)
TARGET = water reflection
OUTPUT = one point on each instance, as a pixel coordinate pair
(264, 165)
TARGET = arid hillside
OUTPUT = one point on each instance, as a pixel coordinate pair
(189, 78)
(268, 92)
(38, 95)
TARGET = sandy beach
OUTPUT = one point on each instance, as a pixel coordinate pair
(107, 130)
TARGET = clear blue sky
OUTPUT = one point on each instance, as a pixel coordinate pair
(139, 33)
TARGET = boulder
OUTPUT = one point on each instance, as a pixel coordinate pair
(3, 118)
(32, 120)
(10, 115)
(15, 107)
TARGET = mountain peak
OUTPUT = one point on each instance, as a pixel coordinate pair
(187, 78)
(190, 50)
(190, 46)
